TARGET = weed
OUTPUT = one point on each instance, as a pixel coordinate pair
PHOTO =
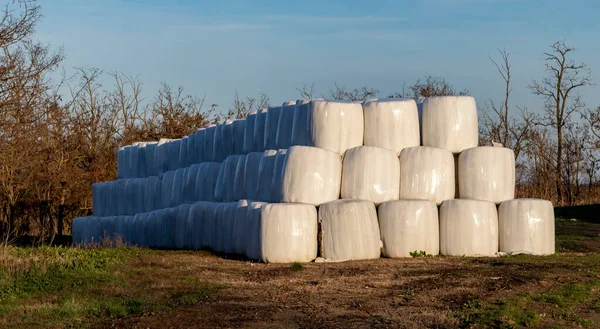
(418, 253)
(297, 266)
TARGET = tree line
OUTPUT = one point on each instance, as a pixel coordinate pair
(59, 136)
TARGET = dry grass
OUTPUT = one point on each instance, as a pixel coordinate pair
(186, 289)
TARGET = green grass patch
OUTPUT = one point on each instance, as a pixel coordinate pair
(297, 266)
(572, 243)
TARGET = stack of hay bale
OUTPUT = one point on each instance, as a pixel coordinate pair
(340, 180)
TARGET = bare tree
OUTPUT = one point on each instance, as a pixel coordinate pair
(241, 108)
(559, 89)
(361, 94)
(306, 92)
(433, 86)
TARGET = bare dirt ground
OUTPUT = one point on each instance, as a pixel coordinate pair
(431, 292)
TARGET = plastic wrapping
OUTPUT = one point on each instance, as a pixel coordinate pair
(266, 169)
(121, 197)
(225, 218)
(178, 185)
(162, 156)
(77, 229)
(133, 161)
(139, 196)
(206, 180)
(209, 141)
(420, 112)
(192, 154)
(391, 123)
(251, 174)
(249, 133)
(288, 233)
(227, 139)
(195, 225)
(450, 122)
(189, 190)
(407, 226)
(253, 231)
(239, 127)
(239, 189)
(174, 149)
(207, 215)
(98, 198)
(167, 189)
(183, 155)
(336, 125)
(239, 227)
(427, 173)
(224, 190)
(300, 123)
(149, 154)
(259, 131)
(526, 226)
(199, 150)
(271, 122)
(150, 228)
(487, 173)
(310, 175)
(217, 153)
(370, 173)
(283, 138)
(122, 164)
(349, 230)
(277, 179)
(111, 206)
(140, 170)
(183, 212)
(468, 228)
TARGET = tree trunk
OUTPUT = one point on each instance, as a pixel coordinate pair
(559, 164)
(60, 218)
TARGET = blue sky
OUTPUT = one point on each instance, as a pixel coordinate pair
(213, 48)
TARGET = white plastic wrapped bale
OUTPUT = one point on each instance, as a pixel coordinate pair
(336, 125)
(227, 141)
(171, 227)
(162, 155)
(208, 224)
(192, 154)
(77, 229)
(468, 228)
(276, 181)
(209, 141)
(150, 193)
(253, 231)
(199, 150)
(288, 233)
(177, 189)
(217, 153)
(158, 228)
(111, 206)
(167, 189)
(130, 197)
(487, 173)
(450, 122)
(259, 131)
(283, 139)
(183, 155)
(206, 180)
(98, 196)
(121, 198)
(370, 173)
(149, 154)
(239, 227)
(239, 189)
(420, 111)
(120, 229)
(310, 175)
(181, 221)
(190, 179)
(140, 170)
(407, 226)
(224, 189)
(271, 121)
(300, 123)
(266, 169)
(122, 164)
(195, 226)
(227, 226)
(139, 196)
(251, 174)
(174, 149)
(526, 226)
(427, 173)
(133, 161)
(249, 133)
(149, 226)
(349, 230)
(239, 128)
(391, 123)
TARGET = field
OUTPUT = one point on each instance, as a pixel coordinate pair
(60, 287)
